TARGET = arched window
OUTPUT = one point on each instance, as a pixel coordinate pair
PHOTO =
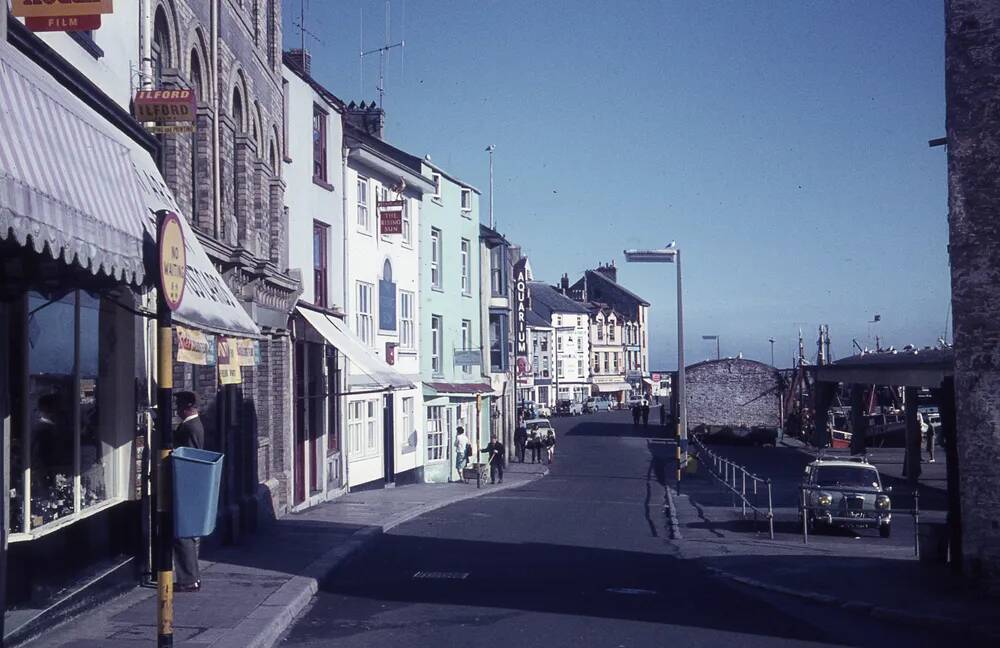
(196, 85)
(387, 299)
(161, 53)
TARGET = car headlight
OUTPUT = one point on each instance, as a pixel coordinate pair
(882, 502)
(824, 499)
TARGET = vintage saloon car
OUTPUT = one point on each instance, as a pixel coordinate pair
(846, 492)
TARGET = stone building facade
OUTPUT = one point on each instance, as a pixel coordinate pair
(226, 177)
(972, 86)
(733, 392)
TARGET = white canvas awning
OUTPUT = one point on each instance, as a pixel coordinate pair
(367, 371)
(73, 184)
(612, 387)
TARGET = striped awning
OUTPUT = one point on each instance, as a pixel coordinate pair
(67, 182)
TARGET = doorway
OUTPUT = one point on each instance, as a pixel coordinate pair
(388, 438)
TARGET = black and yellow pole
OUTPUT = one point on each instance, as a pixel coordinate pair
(170, 291)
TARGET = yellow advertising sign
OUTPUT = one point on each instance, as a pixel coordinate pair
(229, 364)
(173, 261)
(47, 8)
(194, 347)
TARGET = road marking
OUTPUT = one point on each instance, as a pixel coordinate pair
(632, 591)
(442, 575)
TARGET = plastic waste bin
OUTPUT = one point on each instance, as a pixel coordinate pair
(197, 477)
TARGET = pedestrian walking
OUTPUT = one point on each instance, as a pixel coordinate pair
(535, 445)
(191, 434)
(635, 414)
(927, 431)
(520, 441)
(463, 451)
(645, 413)
(550, 444)
(495, 450)
(663, 413)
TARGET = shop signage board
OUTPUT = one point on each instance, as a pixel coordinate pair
(172, 261)
(194, 347)
(655, 377)
(63, 23)
(161, 106)
(390, 216)
(520, 317)
(468, 357)
(49, 8)
(247, 352)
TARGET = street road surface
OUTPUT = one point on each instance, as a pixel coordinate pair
(581, 557)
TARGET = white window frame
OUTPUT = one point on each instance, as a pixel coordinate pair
(436, 178)
(466, 202)
(466, 267)
(437, 325)
(466, 342)
(364, 216)
(406, 332)
(436, 275)
(406, 419)
(373, 438)
(437, 437)
(407, 226)
(365, 313)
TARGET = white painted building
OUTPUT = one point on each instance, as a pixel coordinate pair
(570, 322)
(384, 430)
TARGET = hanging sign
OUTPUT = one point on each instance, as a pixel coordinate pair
(172, 261)
(61, 15)
(655, 377)
(468, 357)
(520, 317)
(194, 347)
(229, 364)
(179, 105)
(63, 23)
(390, 216)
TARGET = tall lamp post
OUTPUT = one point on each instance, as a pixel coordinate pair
(771, 340)
(718, 355)
(672, 254)
(490, 149)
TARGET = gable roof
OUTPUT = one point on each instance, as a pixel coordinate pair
(546, 300)
(599, 277)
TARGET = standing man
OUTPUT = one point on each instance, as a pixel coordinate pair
(635, 414)
(496, 454)
(645, 413)
(663, 413)
(520, 440)
(927, 431)
(190, 433)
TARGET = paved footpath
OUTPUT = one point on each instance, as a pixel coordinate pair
(859, 572)
(251, 592)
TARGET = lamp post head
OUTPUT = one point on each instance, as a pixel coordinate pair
(491, 148)
(662, 255)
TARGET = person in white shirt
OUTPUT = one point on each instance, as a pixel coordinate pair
(462, 451)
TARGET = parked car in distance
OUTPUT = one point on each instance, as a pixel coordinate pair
(846, 492)
(636, 400)
(568, 407)
(597, 404)
(543, 411)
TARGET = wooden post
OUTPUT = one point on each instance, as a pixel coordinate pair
(859, 422)
(911, 461)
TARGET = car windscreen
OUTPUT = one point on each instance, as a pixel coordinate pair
(829, 476)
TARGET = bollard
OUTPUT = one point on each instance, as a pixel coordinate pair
(770, 509)
(916, 524)
(805, 515)
(744, 494)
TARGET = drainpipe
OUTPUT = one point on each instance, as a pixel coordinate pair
(344, 375)
(145, 45)
(216, 158)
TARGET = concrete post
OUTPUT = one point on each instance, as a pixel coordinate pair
(911, 461)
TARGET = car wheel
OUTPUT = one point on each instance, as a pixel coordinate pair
(884, 530)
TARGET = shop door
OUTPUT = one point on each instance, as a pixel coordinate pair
(388, 436)
(299, 425)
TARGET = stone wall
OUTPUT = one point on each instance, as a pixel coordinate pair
(972, 86)
(732, 392)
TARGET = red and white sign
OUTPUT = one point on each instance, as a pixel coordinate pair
(390, 216)
(165, 105)
(390, 353)
(50, 8)
(655, 377)
(63, 23)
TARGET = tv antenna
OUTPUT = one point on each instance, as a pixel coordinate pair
(382, 52)
(303, 30)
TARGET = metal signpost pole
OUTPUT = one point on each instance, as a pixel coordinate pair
(682, 435)
(164, 495)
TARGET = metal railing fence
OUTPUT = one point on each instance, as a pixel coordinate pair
(744, 485)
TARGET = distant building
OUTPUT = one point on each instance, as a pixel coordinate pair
(570, 323)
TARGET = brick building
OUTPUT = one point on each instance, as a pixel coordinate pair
(972, 83)
(732, 392)
(226, 177)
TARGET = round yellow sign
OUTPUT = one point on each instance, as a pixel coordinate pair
(173, 260)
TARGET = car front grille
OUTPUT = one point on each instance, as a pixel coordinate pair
(854, 503)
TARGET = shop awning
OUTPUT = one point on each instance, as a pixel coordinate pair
(456, 389)
(74, 184)
(612, 387)
(66, 178)
(367, 371)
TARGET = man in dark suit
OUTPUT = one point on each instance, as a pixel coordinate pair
(496, 458)
(190, 433)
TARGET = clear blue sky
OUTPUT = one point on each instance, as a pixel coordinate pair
(783, 145)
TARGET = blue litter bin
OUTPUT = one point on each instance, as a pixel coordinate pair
(197, 476)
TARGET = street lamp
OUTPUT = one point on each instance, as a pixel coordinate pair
(716, 338)
(490, 149)
(671, 254)
(771, 340)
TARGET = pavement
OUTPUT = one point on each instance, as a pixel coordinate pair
(252, 592)
(852, 570)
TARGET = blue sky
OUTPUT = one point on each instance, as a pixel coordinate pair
(782, 144)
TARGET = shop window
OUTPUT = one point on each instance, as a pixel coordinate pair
(436, 429)
(62, 445)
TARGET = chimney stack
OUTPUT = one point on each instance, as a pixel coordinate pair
(367, 117)
(609, 270)
(301, 59)
(564, 284)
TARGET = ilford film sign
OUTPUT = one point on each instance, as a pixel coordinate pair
(165, 108)
(61, 15)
